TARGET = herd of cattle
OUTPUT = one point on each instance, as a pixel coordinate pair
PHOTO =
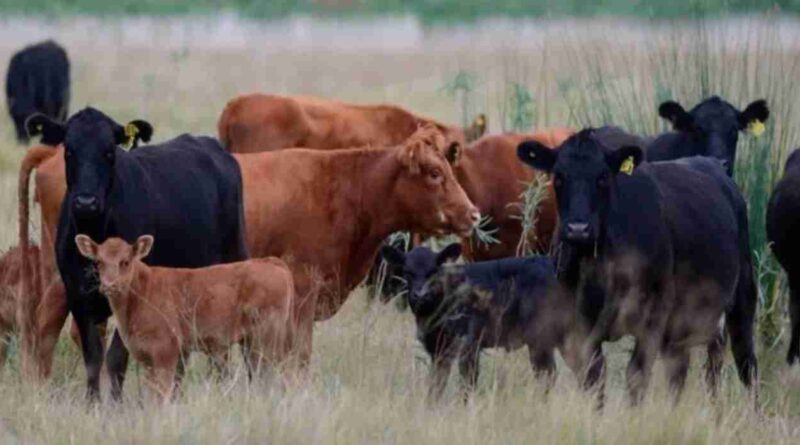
(198, 243)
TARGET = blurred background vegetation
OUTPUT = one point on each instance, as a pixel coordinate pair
(427, 10)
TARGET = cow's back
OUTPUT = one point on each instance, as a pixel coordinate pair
(186, 192)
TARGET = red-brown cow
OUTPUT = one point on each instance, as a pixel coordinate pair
(260, 122)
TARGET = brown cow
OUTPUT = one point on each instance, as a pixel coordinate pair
(163, 313)
(494, 179)
(326, 213)
(261, 122)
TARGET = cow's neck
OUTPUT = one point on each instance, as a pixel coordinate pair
(126, 297)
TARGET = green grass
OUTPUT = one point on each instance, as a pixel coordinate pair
(429, 10)
(368, 372)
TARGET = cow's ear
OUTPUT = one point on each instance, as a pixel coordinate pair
(625, 159)
(537, 155)
(52, 132)
(142, 246)
(674, 112)
(477, 129)
(453, 153)
(754, 116)
(393, 256)
(449, 253)
(86, 246)
(133, 132)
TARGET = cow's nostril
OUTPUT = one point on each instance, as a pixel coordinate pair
(578, 227)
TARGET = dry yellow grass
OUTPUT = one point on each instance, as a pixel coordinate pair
(368, 374)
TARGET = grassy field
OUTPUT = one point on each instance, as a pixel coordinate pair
(368, 374)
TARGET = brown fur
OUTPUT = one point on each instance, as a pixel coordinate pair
(11, 291)
(494, 179)
(164, 313)
(260, 122)
(332, 209)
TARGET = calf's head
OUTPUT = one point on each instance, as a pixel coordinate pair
(427, 188)
(584, 176)
(91, 141)
(115, 259)
(713, 125)
(420, 267)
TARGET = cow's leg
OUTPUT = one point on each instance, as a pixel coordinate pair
(716, 356)
(92, 348)
(676, 362)
(794, 314)
(543, 365)
(219, 364)
(440, 371)
(740, 329)
(469, 367)
(36, 354)
(161, 378)
(180, 371)
(595, 375)
(640, 368)
(117, 365)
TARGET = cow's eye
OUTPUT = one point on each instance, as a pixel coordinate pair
(124, 264)
(435, 175)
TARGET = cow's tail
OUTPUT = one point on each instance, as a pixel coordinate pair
(740, 316)
(31, 290)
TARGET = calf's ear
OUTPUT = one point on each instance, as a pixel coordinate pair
(51, 132)
(86, 246)
(624, 159)
(142, 246)
(756, 113)
(674, 112)
(537, 155)
(449, 253)
(393, 256)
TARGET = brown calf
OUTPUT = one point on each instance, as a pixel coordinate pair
(261, 122)
(164, 313)
(494, 179)
(10, 292)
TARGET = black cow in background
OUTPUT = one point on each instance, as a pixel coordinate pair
(658, 250)
(462, 309)
(37, 81)
(186, 192)
(783, 233)
(711, 128)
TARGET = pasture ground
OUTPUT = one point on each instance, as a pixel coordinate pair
(368, 374)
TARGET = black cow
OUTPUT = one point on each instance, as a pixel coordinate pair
(783, 232)
(462, 309)
(186, 192)
(711, 128)
(660, 250)
(37, 82)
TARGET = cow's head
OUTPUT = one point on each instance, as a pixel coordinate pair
(427, 188)
(419, 268)
(713, 125)
(115, 259)
(91, 141)
(584, 174)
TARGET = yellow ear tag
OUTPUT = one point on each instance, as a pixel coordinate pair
(627, 166)
(756, 128)
(131, 131)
